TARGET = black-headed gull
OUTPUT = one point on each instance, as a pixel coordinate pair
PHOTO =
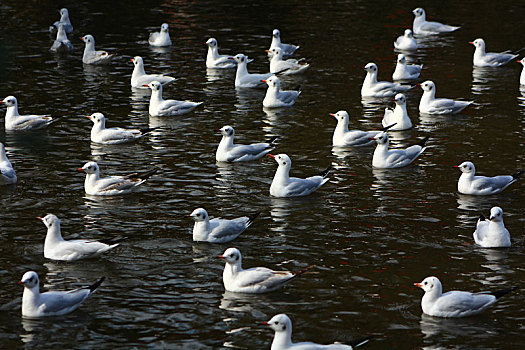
(285, 186)
(16, 122)
(287, 49)
(455, 303)
(7, 173)
(406, 41)
(61, 42)
(469, 183)
(91, 56)
(422, 27)
(343, 137)
(385, 158)
(492, 233)
(139, 78)
(373, 88)
(36, 304)
(56, 248)
(111, 136)
(112, 185)
(227, 151)
(491, 59)
(159, 107)
(397, 116)
(275, 97)
(214, 60)
(406, 71)
(254, 280)
(64, 20)
(286, 67)
(282, 340)
(429, 104)
(243, 79)
(162, 38)
(218, 230)
(522, 76)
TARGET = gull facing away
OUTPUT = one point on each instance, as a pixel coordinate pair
(373, 88)
(255, 280)
(159, 107)
(227, 151)
(285, 186)
(61, 42)
(286, 67)
(491, 59)
(492, 233)
(385, 158)
(287, 49)
(111, 136)
(406, 42)
(91, 56)
(218, 230)
(16, 122)
(422, 27)
(398, 117)
(406, 71)
(56, 248)
(275, 97)
(429, 104)
(36, 304)
(112, 185)
(455, 303)
(7, 173)
(139, 78)
(243, 79)
(469, 183)
(282, 340)
(162, 38)
(64, 20)
(343, 137)
(214, 60)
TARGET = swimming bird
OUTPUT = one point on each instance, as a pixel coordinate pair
(214, 60)
(16, 122)
(61, 43)
(64, 20)
(275, 97)
(522, 76)
(218, 230)
(492, 233)
(162, 38)
(56, 248)
(243, 79)
(491, 59)
(159, 107)
(385, 158)
(429, 104)
(406, 42)
(286, 67)
(422, 27)
(52, 303)
(282, 340)
(343, 137)
(285, 186)
(398, 115)
(373, 88)
(227, 151)
(91, 56)
(7, 172)
(139, 78)
(254, 280)
(287, 49)
(469, 183)
(406, 71)
(112, 185)
(455, 303)
(111, 136)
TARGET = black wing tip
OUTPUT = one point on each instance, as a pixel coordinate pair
(251, 218)
(301, 271)
(516, 52)
(146, 175)
(516, 175)
(147, 130)
(359, 342)
(499, 293)
(96, 284)
(272, 140)
(325, 172)
(114, 240)
(482, 217)
(281, 71)
(388, 127)
(423, 141)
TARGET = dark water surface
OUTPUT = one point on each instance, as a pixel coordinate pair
(371, 233)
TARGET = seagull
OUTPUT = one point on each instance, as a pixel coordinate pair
(111, 136)
(112, 185)
(7, 173)
(406, 71)
(64, 20)
(468, 183)
(282, 340)
(491, 59)
(429, 104)
(161, 38)
(159, 107)
(395, 158)
(397, 116)
(243, 79)
(228, 152)
(455, 303)
(286, 67)
(285, 186)
(492, 233)
(91, 56)
(61, 42)
(56, 248)
(373, 88)
(36, 304)
(406, 41)
(422, 27)
(139, 78)
(274, 97)
(287, 49)
(343, 137)
(522, 76)
(17, 122)
(255, 280)
(218, 230)
(216, 61)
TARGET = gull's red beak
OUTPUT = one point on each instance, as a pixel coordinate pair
(264, 323)
(88, 116)
(264, 81)
(271, 156)
(80, 169)
(371, 138)
(39, 218)
(417, 284)
(220, 256)
(131, 59)
(471, 42)
(20, 283)
(333, 115)
(456, 166)
(146, 85)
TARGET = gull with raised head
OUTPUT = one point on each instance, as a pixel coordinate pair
(92, 56)
(218, 230)
(429, 104)
(343, 137)
(61, 43)
(139, 78)
(159, 107)
(16, 122)
(111, 136)
(397, 116)
(492, 233)
(243, 79)
(491, 59)
(286, 67)
(385, 158)
(214, 60)
(7, 173)
(406, 71)
(373, 88)
(423, 27)
(469, 183)
(287, 49)
(162, 38)
(227, 151)
(275, 97)
(64, 20)
(406, 42)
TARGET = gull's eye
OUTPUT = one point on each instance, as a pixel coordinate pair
(425, 283)
(284, 163)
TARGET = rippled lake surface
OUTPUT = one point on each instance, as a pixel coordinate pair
(371, 233)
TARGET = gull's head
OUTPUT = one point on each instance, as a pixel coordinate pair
(478, 43)
(341, 116)
(400, 99)
(496, 214)
(277, 52)
(401, 58)
(154, 85)
(199, 214)
(231, 255)
(88, 39)
(418, 12)
(466, 167)
(428, 86)
(164, 27)
(137, 61)
(227, 131)
(408, 33)
(381, 138)
(97, 118)
(50, 220)
(273, 82)
(9, 101)
(29, 280)
(89, 168)
(371, 68)
(522, 61)
(212, 42)
(240, 58)
(64, 12)
(429, 284)
(280, 323)
(276, 33)
(282, 159)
